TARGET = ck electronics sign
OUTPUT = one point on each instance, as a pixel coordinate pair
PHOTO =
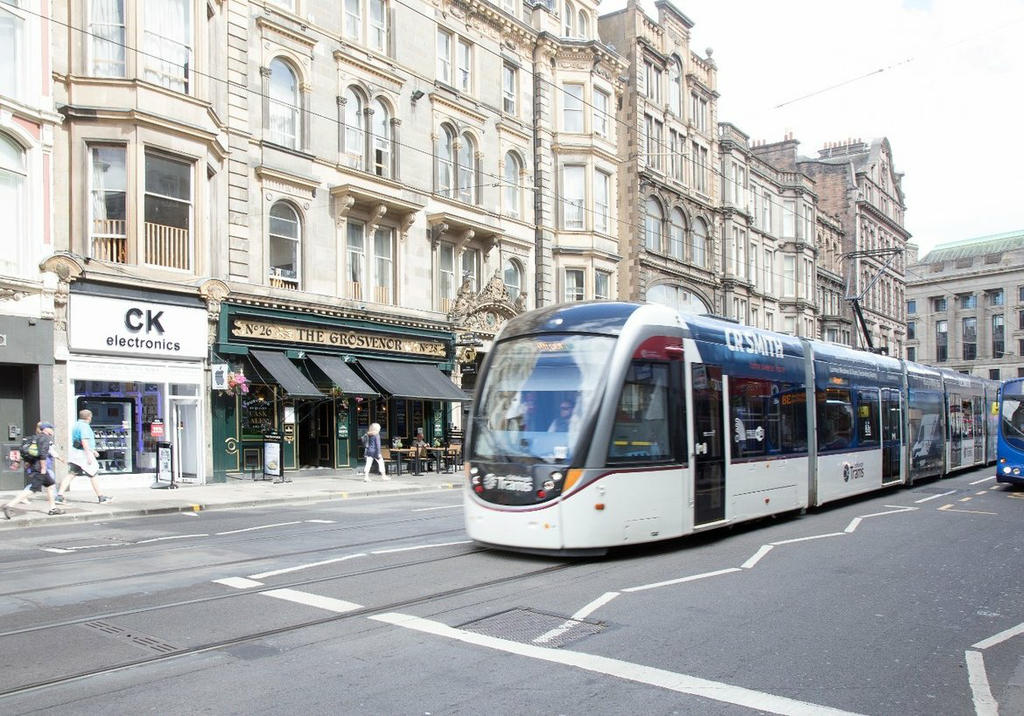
(127, 327)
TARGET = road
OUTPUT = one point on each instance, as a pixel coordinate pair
(904, 602)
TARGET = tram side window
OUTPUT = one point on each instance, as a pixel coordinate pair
(766, 418)
(867, 418)
(835, 419)
(641, 430)
(792, 418)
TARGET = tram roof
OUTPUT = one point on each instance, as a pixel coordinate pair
(601, 317)
(836, 352)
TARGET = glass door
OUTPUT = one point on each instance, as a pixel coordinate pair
(708, 444)
(184, 434)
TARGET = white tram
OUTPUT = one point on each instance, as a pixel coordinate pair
(601, 424)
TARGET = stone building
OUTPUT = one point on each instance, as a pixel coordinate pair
(340, 202)
(965, 306)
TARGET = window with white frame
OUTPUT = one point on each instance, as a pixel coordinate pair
(573, 196)
(769, 272)
(602, 190)
(509, 89)
(383, 265)
(677, 155)
(106, 38)
(446, 161)
(510, 6)
(699, 162)
(789, 325)
(572, 107)
(741, 253)
(284, 230)
(167, 43)
(355, 141)
(513, 278)
(444, 56)
(699, 250)
(168, 212)
(766, 212)
(446, 284)
(12, 65)
(574, 289)
(366, 22)
(467, 170)
(512, 194)
(788, 219)
(807, 216)
(464, 65)
(652, 131)
(808, 291)
(652, 225)
(654, 80)
(699, 112)
(675, 87)
(471, 268)
(568, 15)
(752, 273)
(676, 235)
(283, 108)
(582, 25)
(601, 104)
(602, 284)
(381, 139)
(789, 276)
(108, 191)
(355, 245)
(13, 182)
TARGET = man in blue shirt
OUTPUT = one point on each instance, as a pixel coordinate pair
(82, 457)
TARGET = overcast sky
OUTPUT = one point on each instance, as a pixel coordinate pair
(948, 97)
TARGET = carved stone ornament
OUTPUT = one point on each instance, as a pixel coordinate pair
(10, 294)
(213, 291)
(484, 312)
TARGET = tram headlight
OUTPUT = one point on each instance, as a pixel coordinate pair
(549, 485)
(557, 476)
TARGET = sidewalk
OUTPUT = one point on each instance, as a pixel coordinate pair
(305, 486)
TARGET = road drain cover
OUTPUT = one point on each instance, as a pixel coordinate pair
(529, 626)
(137, 638)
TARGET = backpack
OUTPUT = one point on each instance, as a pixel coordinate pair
(34, 447)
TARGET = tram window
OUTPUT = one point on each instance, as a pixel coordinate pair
(752, 426)
(792, 418)
(867, 418)
(641, 430)
(835, 419)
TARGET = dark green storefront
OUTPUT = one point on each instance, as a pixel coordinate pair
(316, 383)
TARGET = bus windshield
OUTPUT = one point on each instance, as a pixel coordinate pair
(1013, 419)
(536, 395)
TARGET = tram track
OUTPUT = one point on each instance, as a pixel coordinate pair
(360, 612)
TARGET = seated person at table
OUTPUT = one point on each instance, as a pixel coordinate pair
(418, 440)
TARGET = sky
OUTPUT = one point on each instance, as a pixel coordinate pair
(942, 79)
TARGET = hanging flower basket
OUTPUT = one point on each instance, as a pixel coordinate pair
(238, 384)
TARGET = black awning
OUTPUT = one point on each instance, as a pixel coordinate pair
(341, 375)
(412, 380)
(286, 374)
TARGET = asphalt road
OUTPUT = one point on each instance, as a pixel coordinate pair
(904, 602)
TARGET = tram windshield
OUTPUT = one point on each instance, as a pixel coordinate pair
(1013, 419)
(536, 395)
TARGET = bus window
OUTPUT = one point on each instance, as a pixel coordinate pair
(641, 430)
(835, 419)
(1013, 420)
(867, 418)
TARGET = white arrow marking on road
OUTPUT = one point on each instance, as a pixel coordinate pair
(680, 683)
(933, 497)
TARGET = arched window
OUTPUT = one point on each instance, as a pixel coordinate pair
(381, 140)
(284, 246)
(582, 25)
(513, 276)
(467, 170)
(652, 225)
(513, 197)
(676, 235)
(675, 86)
(284, 105)
(12, 199)
(445, 161)
(700, 243)
(355, 144)
(567, 17)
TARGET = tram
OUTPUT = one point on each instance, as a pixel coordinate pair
(600, 424)
(1010, 461)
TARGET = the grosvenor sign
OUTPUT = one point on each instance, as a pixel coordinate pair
(131, 327)
(335, 338)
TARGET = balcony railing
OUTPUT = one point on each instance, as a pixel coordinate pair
(109, 241)
(281, 282)
(355, 290)
(168, 246)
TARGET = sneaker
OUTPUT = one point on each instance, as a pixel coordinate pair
(59, 499)
(366, 478)
(7, 512)
(56, 511)
(105, 498)
(385, 477)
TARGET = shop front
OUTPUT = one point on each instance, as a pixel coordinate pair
(318, 382)
(136, 359)
(26, 388)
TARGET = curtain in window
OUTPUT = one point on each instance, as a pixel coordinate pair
(284, 105)
(512, 170)
(573, 197)
(513, 279)
(354, 148)
(381, 140)
(356, 260)
(107, 38)
(445, 156)
(284, 242)
(168, 29)
(382, 279)
(467, 170)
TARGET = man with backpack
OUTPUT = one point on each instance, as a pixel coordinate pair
(37, 452)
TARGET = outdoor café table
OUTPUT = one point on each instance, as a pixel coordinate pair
(438, 453)
(412, 453)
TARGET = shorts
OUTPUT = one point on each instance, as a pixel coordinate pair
(38, 480)
(75, 469)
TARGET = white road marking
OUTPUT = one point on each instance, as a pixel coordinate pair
(984, 703)
(691, 578)
(286, 570)
(57, 550)
(189, 514)
(983, 492)
(680, 683)
(807, 539)
(581, 614)
(933, 497)
(322, 522)
(1000, 637)
(261, 527)
(756, 557)
(163, 539)
(950, 508)
(984, 479)
(428, 509)
(238, 582)
(313, 600)
(420, 546)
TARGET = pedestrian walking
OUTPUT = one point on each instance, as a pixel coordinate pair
(38, 469)
(372, 443)
(82, 457)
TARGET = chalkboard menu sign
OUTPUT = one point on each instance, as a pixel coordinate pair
(257, 416)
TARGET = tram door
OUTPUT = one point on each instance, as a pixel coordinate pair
(892, 410)
(708, 444)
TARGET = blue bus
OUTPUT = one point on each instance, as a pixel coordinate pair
(1010, 460)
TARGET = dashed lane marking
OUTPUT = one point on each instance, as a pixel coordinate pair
(331, 604)
(238, 582)
(420, 546)
(260, 527)
(444, 507)
(950, 508)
